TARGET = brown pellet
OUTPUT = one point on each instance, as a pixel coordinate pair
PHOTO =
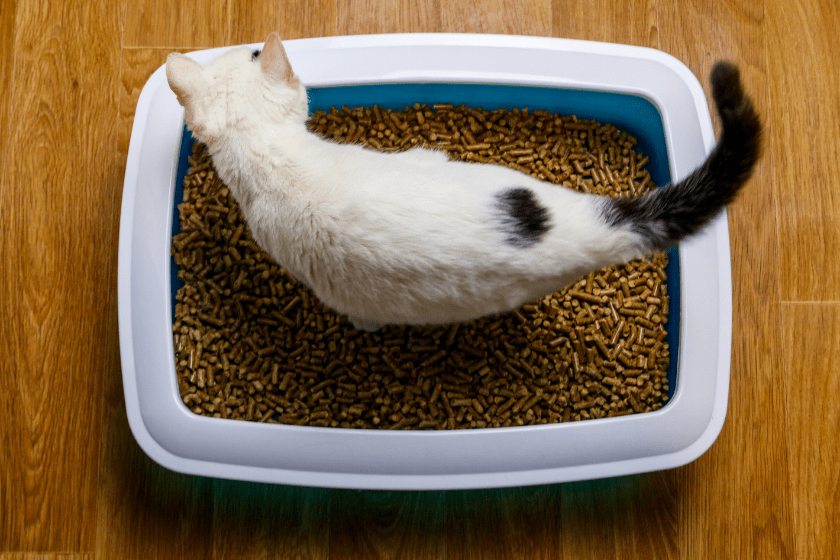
(253, 344)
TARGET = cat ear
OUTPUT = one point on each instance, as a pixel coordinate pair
(274, 61)
(185, 76)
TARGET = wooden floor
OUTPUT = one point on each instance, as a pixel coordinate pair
(75, 485)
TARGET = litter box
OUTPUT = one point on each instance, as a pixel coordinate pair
(642, 91)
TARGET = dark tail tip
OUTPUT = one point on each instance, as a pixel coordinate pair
(740, 144)
(726, 88)
(737, 113)
(667, 215)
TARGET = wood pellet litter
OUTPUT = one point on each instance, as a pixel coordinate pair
(251, 343)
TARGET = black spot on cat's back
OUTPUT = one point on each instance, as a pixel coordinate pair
(523, 218)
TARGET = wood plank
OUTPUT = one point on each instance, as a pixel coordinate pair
(379, 525)
(734, 499)
(512, 17)
(802, 49)
(606, 20)
(144, 510)
(588, 519)
(634, 516)
(362, 17)
(813, 419)
(177, 24)
(57, 324)
(251, 22)
(521, 523)
(10, 438)
(625, 517)
(8, 10)
(44, 556)
(264, 521)
(135, 69)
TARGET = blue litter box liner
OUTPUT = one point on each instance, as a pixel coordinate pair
(631, 113)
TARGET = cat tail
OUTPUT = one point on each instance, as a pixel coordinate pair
(665, 216)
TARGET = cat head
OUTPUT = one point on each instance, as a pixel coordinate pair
(238, 90)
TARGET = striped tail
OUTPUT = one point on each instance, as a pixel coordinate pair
(667, 215)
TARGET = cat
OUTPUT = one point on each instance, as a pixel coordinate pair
(413, 238)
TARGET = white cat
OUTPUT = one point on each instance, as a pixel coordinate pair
(413, 238)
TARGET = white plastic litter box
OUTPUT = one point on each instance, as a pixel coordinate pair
(645, 92)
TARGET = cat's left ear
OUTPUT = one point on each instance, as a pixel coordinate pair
(274, 61)
(185, 76)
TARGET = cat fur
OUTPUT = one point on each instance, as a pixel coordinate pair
(412, 237)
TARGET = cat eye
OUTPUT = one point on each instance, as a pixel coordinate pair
(255, 55)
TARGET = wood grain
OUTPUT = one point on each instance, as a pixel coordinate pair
(265, 522)
(146, 511)
(380, 525)
(606, 20)
(57, 281)
(136, 66)
(10, 442)
(74, 484)
(44, 556)
(736, 476)
(7, 49)
(813, 421)
(251, 22)
(625, 517)
(802, 49)
(178, 24)
(512, 17)
(504, 523)
(362, 17)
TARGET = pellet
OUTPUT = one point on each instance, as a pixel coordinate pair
(251, 343)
